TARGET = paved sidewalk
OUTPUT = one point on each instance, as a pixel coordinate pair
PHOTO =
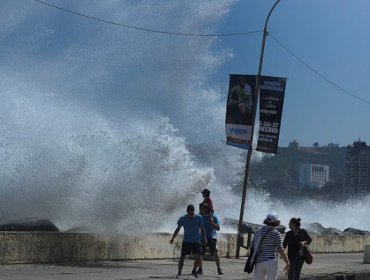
(325, 266)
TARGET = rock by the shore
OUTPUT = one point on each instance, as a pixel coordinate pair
(249, 227)
(355, 231)
(314, 228)
(311, 228)
(29, 224)
(332, 231)
(318, 229)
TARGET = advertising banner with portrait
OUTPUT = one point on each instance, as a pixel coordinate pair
(239, 110)
(272, 90)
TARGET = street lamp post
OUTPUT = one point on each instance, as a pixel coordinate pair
(249, 155)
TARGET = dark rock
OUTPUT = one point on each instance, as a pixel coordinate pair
(248, 227)
(29, 224)
(314, 228)
(318, 229)
(80, 229)
(332, 231)
(311, 228)
(355, 231)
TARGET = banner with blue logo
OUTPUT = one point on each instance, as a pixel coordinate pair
(239, 110)
(272, 90)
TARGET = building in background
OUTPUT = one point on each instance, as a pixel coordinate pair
(333, 146)
(357, 170)
(313, 175)
(294, 145)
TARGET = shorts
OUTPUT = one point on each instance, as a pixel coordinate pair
(191, 248)
(212, 245)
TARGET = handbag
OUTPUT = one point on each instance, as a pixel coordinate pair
(307, 256)
(249, 265)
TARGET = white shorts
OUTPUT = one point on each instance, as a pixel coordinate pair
(266, 270)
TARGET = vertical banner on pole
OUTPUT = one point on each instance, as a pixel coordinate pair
(272, 91)
(239, 110)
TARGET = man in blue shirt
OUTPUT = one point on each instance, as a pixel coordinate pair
(211, 226)
(191, 243)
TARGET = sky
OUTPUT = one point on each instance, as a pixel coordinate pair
(329, 36)
(86, 65)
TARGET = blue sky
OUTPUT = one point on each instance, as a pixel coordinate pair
(50, 57)
(331, 37)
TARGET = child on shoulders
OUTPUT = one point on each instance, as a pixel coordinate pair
(207, 201)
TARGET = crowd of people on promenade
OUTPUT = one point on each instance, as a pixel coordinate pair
(200, 233)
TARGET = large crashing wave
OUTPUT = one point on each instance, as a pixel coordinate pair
(95, 119)
(94, 172)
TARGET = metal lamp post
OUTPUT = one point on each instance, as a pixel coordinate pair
(247, 165)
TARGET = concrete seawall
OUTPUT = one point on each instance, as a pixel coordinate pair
(38, 247)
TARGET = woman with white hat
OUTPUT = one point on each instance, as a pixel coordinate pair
(266, 244)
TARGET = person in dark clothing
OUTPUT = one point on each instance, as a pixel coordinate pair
(296, 239)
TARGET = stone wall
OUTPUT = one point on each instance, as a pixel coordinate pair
(339, 243)
(29, 247)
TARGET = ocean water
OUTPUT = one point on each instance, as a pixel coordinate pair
(96, 119)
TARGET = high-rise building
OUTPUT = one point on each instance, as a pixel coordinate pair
(293, 145)
(357, 170)
(313, 175)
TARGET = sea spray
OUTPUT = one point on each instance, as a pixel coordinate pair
(95, 117)
(97, 175)
(96, 120)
